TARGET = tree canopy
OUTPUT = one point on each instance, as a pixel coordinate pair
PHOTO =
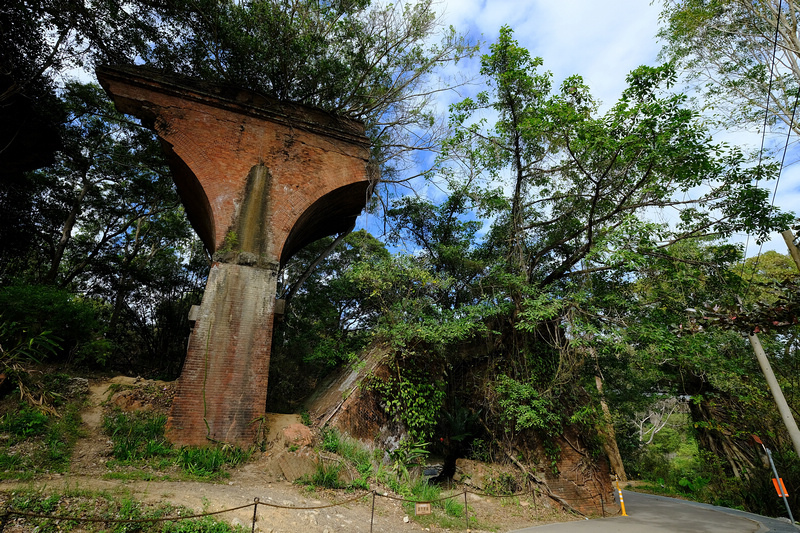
(742, 56)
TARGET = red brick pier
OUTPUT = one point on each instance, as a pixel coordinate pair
(259, 179)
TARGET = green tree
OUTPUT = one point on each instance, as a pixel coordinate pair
(328, 321)
(573, 214)
(571, 194)
(104, 222)
(580, 184)
(728, 50)
(444, 238)
(41, 40)
(371, 62)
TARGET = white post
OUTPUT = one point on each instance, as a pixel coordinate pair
(788, 236)
(777, 393)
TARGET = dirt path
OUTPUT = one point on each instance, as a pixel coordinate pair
(90, 452)
(262, 479)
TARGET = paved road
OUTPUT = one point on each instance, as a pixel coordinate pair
(658, 514)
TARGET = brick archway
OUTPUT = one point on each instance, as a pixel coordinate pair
(259, 180)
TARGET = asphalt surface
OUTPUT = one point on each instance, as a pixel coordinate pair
(659, 514)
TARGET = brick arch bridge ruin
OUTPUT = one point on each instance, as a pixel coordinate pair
(259, 180)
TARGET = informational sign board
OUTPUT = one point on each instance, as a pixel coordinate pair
(422, 508)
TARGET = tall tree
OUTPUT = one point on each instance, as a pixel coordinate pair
(570, 195)
(743, 57)
(372, 62)
(580, 185)
(42, 39)
(105, 222)
(108, 178)
(329, 320)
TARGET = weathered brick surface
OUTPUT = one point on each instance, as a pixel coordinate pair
(581, 478)
(259, 180)
(221, 134)
(222, 389)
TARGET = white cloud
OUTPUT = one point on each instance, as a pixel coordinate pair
(601, 40)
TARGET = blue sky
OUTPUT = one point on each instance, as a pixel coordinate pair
(601, 40)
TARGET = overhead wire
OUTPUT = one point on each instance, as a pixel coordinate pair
(777, 180)
(763, 138)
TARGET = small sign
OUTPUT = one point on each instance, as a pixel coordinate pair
(422, 508)
(779, 488)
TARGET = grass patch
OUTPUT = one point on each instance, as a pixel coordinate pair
(138, 441)
(209, 462)
(137, 435)
(38, 442)
(354, 457)
(26, 422)
(448, 513)
(327, 476)
(117, 507)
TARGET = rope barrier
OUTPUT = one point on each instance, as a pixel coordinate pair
(335, 504)
(372, 515)
(124, 520)
(7, 513)
(255, 514)
(399, 499)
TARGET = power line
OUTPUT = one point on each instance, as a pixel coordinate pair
(763, 137)
(777, 183)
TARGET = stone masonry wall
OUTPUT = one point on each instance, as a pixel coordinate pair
(582, 479)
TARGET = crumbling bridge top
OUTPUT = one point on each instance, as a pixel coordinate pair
(214, 135)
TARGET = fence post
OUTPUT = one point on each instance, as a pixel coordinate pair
(466, 509)
(371, 518)
(255, 514)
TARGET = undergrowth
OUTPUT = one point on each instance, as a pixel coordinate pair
(89, 504)
(38, 442)
(396, 474)
(138, 441)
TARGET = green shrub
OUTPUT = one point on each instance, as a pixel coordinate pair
(330, 440)
(349, 449)
(201, 462)
(453, 507)
(503, 485)
(138, 435)
(209, 462)
(327, 476)
(27, 422)
(73, 321)
(55, 437)
(423, 491)
(201, 525)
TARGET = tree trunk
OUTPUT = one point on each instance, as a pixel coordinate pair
(712, 419)
(66, 232)
(609, 436)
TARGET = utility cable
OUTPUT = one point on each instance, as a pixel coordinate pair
(777, 181)
(766, 117)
